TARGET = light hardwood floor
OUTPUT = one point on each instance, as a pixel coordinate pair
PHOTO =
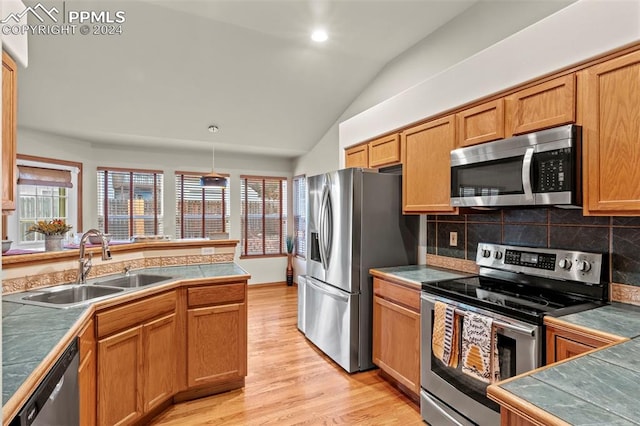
(291, 382)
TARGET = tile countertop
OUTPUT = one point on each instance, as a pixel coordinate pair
(29, 333)
(598, 388)
(417, 274)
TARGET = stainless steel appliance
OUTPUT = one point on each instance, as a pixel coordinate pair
(516, 287)
(302, 290)
(355, 222)
(55, 401)
(541, 168)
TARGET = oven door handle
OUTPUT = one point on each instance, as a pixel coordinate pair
(501, 324)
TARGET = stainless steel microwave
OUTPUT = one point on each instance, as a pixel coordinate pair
(535, 169)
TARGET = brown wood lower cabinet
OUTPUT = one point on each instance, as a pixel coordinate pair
(216, 333)
(565, 340)
(87, 374)
(396, 334)
(136, 365)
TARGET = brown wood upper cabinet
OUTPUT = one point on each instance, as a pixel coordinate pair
(482, 123)
(384, 151)
(357, 156)
(548, 104)
(426, 163)
(9, 124)
(610, 137)
(396, 333)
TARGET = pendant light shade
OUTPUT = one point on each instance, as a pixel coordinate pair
(213, 179)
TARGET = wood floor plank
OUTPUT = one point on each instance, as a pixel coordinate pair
(291, 382)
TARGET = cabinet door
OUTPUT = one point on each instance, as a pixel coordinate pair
(9, 123)
(610, 137)
(396, 342)
(545, 105)
(87, 375)
(567, 348)
(119, 378)
(159, 360)
(426, 167)
(216, 343)
(384, 151)
(357, 156)
(483, 123)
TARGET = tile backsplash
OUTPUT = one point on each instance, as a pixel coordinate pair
(618, 238)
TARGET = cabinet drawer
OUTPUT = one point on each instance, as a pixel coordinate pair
(215, 294)
(397, 293)
(132, 313)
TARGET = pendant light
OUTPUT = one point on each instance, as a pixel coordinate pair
(213, 179)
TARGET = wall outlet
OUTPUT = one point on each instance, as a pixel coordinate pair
(207, 250)
(453, 239)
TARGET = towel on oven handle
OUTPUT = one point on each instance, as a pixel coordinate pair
(480, 357)
(444, 340)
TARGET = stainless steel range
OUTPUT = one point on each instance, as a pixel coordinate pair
(516, 287)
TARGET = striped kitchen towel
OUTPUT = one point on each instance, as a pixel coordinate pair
(444, 340)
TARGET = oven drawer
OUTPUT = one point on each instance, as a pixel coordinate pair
(439, 413)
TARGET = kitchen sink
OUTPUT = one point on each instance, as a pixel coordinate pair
(133, 280)
(67, 295)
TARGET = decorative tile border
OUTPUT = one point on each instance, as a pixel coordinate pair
(462, 265)
(624, 293)
(29, 282)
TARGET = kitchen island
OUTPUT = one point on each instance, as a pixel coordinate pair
(212, 296)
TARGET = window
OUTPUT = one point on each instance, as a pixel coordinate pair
(300, 215)
(201, 212)
(264, 215)
(46, 190)
(129, 202)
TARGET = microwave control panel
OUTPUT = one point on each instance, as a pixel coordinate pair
(554, 170)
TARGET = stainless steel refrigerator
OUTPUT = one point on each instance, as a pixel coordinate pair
(355, 223)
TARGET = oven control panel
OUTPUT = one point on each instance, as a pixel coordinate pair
(551, 263)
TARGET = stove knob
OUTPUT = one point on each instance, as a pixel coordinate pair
(497, 255)
(486, 253)
(565, 264)
(584, 266)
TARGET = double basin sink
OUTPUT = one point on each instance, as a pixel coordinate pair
(72, 295)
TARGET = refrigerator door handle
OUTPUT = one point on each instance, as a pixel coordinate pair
(328, 290)
(322, 231)
(328, 239)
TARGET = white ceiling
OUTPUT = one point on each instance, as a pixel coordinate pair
(247, 66)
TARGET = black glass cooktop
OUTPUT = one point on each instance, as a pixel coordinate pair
(515, 300)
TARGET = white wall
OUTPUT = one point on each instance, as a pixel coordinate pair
(264, 270)
(480, 26)
(578, 32)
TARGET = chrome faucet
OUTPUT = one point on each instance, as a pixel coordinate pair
(85, 263)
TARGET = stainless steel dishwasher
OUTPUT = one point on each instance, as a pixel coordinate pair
(55, 401)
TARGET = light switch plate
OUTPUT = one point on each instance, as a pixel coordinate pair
(453, 239)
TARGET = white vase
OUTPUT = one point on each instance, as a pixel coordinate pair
(53, 242)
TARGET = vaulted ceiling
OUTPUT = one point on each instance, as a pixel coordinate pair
(248, 67)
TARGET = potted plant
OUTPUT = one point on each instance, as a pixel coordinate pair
(290, 247)
(53, 232)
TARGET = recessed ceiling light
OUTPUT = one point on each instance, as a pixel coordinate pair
(319, 36)
(213, 128)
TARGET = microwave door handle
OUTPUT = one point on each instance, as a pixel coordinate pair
(526, 174)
